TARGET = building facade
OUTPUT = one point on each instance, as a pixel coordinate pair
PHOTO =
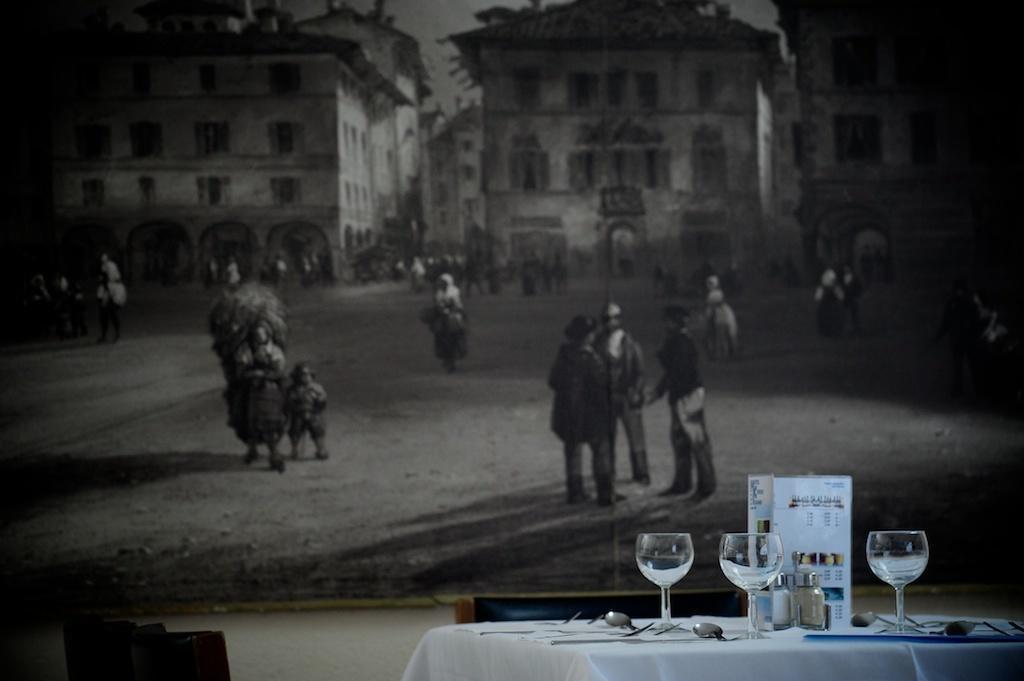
(909, 152)
(176, 147)
(456, 211)
(395, 139)
(620, 132)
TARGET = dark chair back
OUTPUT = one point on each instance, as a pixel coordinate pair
(95, 649)
(180, 656)
(498, 608)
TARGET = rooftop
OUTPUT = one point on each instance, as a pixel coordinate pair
(163, 8)
(619, 24)
(158, 44)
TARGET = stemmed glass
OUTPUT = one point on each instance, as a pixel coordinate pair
(664, 559)
(751, 561)
(898, 557)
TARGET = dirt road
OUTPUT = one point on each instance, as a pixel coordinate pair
(121, 484)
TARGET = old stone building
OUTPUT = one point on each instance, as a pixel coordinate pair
(212, 136)
(615, 130)
(910, 156)
(394, 139)
(456, 209)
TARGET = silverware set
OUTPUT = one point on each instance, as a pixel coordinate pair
(950, 628)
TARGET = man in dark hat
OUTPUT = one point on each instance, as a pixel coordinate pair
(625, 362)
(581, 413)
(682, 382)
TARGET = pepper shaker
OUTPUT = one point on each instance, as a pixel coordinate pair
(810, 601)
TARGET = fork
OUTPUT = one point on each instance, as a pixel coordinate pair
(995, 628)
(674, 626)
(638, 631)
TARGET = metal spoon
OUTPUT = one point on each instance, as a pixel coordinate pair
(708, 630)
(618, 619)
(958, 628)
(866, 619)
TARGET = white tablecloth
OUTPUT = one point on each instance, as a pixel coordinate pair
(527, 651)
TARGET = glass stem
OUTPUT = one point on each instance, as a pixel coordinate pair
(666, 606)
(901, 622)
(752, 614)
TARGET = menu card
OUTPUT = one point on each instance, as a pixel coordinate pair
(812, 515)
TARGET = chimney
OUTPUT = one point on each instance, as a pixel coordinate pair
(536, 4)
(333, 6)
(723, 11)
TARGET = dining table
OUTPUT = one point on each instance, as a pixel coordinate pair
(597, 651)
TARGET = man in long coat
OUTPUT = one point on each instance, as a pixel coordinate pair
(581, 413)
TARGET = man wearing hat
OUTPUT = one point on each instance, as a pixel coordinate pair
(581, 413)
(682, 382)
(625, 362)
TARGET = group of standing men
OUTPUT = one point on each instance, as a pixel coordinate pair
(598, 380)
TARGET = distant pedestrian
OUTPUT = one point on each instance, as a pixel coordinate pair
(528, 273)
(280, 271)
(474, 275)
(110, 310)
(212, 277)
(625, 361)
(722, 331)
(62, 307)
(995, 355)
(658, 275)
(547, 275)
(448, 323)
(305, 402)
(682, 382)
(38, 304)
(852, 292)
(79, 328)
(417, 272)
(580, 413)
(830, 311)
(961, 323)
(231, 274)
(307, 277)
(560, 274)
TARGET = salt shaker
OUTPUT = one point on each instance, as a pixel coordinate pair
(809, 601)
(782, 603)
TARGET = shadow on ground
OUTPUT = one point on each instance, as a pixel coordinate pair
(26, 483)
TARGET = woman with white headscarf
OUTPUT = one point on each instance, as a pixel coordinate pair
(830, 313)
(448, 323)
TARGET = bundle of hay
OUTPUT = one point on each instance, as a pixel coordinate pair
(235, 313)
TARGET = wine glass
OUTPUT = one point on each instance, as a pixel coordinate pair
(898, 557)
(664, 559)
(751, 561)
